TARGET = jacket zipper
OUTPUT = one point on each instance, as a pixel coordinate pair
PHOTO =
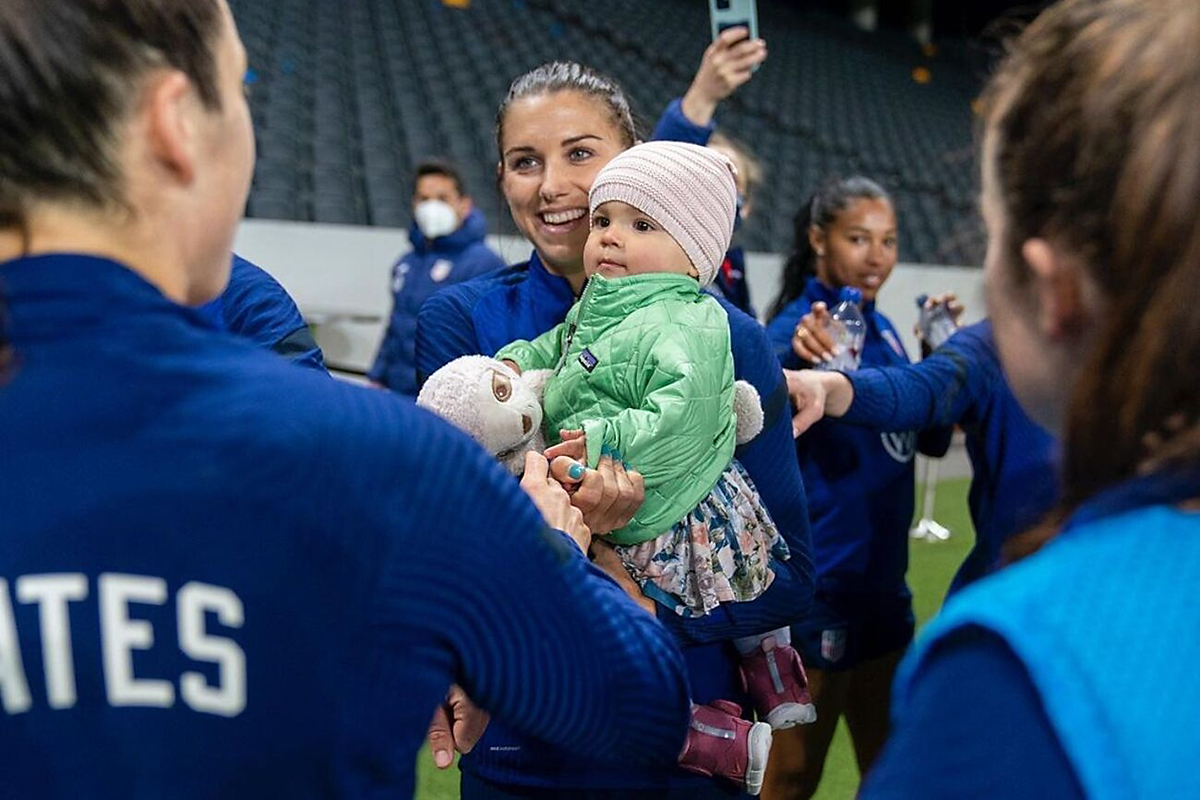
(583, 298)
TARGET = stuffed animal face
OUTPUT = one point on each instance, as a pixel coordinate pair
(482, 396)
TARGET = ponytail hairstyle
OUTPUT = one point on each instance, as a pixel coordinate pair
(568, 76)
(821, 210)
(1092, 121)
(70, 72)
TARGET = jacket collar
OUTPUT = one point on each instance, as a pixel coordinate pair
(615, 299)
(816, 291)
(544, 284)
(48, 295)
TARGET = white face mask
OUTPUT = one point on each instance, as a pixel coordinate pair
(435, 218)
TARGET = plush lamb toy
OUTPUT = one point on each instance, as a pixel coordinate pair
(503, 410)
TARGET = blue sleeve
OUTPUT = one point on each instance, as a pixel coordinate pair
(780, 330)
(770, 460)
(976, 729)
(674, 126)
(256, 307)
(389, 345)
(383, 356)
(445, 329)
(540, 637)
(939, 390)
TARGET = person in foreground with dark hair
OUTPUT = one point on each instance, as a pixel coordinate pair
(176, 620)
(1072, 673)
(447, 240)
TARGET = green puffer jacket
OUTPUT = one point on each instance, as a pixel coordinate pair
(643, 366)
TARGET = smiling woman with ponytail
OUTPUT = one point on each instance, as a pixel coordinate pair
(1072, 672)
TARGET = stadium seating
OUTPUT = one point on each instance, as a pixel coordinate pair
(348, 95)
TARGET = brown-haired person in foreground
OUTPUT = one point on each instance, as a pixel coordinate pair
(1072, 673)
(217, 571)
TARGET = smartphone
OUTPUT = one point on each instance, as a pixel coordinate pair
(733, 14)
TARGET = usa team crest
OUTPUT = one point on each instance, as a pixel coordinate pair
(833, 644)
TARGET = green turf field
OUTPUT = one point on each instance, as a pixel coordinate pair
(931, 568)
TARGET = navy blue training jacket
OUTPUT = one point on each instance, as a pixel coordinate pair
(221, 576)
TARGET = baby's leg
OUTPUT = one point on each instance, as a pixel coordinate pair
(775, 679)
(746, 645)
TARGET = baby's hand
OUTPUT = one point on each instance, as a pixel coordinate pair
(573, 445)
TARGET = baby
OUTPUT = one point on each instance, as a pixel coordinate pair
(642, 370)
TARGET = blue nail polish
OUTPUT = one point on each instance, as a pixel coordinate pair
(575, 472)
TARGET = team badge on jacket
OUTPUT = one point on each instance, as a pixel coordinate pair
(833, 644)
(440, 270)
(399, 276)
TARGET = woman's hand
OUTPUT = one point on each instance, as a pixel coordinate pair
(606, 558)
(456, 725)
(573, 446)
(608, 496)
(553, 501)
(950, 301)
(811, 340)
(728, 63)
(816, 394)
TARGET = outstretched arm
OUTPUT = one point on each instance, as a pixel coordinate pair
(539, 637)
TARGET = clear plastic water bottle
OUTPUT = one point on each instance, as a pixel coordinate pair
(935, 325)
(848, 329)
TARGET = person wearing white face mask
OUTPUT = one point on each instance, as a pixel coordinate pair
(447, 238)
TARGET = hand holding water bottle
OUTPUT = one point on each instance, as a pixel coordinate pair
(811, 340)
(833, 340)
(937, 318)
(848, 329)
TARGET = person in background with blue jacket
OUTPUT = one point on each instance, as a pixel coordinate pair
(1013, 459)
(255, 307)
(1072, 673)
(860, 488)
(560, 124)
(447, 237)
(176, 619)
(728, 63)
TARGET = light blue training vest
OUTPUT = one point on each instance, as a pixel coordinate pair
(1106, 619)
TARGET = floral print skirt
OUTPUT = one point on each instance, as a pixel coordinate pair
(719, 553)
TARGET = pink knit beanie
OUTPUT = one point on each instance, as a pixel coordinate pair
(687, 189)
